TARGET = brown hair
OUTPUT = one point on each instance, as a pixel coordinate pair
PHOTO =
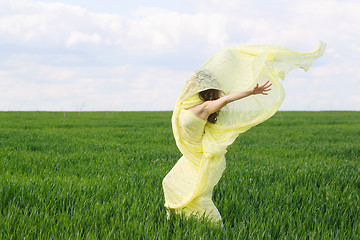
(210, 95)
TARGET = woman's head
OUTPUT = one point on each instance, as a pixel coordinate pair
(210, 95)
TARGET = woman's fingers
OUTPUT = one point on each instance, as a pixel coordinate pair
(266, 86)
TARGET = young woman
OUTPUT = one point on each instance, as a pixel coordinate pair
(219, 101)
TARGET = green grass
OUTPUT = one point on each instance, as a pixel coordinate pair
(97, 175)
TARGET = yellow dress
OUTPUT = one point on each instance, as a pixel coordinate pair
(189, 185)
(180, 181)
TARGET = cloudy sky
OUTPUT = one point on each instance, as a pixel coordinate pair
(110, 55)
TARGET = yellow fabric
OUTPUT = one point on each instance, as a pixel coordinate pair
(188, 186)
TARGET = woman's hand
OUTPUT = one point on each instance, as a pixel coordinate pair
(262, 89)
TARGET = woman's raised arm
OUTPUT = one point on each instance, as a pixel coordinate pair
(213, 106)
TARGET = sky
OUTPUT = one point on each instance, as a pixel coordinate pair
(126, 55)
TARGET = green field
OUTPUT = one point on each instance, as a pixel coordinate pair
(98, 175)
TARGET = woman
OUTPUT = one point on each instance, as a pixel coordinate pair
(202, 131)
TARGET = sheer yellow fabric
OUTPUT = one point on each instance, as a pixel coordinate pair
(188, 186)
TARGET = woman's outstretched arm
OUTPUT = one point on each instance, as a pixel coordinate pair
(213, 106)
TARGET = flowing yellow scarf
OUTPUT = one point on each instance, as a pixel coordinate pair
(230, 70)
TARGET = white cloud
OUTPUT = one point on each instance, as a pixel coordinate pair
(121, 88)
(146, 28)
(79, 37)
(69, 56)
